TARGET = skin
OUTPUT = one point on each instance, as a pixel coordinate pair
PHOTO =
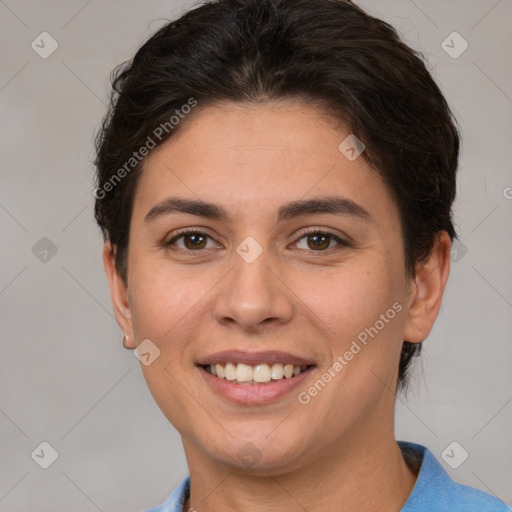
(338, 452)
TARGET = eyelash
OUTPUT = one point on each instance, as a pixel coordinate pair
(311, 231)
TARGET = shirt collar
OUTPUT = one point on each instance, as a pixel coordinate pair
(431, 475)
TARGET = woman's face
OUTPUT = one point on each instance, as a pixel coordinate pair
(257, 283)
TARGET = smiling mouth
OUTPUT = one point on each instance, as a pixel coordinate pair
(264, 373)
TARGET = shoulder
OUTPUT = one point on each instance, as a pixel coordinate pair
(473, 500)
(435, 490)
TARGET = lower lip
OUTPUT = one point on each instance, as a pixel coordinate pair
(253, 394)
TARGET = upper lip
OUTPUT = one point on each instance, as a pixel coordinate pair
(253, 358)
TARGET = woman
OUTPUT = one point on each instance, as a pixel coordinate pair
(275, 181)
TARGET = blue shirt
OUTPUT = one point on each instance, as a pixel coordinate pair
(434, 490)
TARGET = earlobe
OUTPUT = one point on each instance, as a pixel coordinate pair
(118, 295)
(427, 290)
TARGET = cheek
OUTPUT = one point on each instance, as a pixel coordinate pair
(161, 299)
(364, 315)
(163, 311)
(169, 391)
(351, 298)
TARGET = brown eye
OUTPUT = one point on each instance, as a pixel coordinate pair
(192, 241)
(319, 241)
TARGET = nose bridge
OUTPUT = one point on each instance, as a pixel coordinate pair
(252, 293)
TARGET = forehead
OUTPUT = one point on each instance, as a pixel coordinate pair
(256, 157)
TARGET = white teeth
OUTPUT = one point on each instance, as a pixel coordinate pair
(220, 371)
(230, 372)
(262, 373)
(288, 371)
(277, 371)
(243, 373)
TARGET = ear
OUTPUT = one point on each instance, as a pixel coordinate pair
(118, 294)
(427, 289)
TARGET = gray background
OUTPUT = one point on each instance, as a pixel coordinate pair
(65, 377)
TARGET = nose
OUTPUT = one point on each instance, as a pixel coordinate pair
(253, 295)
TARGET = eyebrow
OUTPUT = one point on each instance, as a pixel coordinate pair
(329, 204)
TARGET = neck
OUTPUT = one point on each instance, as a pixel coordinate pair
(354, 476)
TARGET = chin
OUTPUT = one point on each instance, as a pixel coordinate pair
(256, 453)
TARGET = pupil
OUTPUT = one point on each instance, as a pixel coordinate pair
(194, 239)
(321, 243)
